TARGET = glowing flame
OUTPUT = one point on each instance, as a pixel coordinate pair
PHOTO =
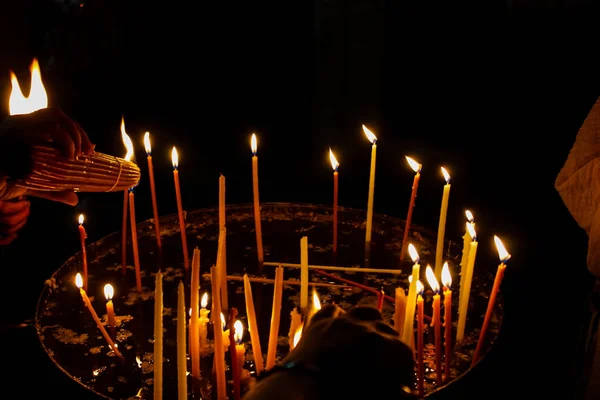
(253, 145)
(413, 164)
(37, 99)
(504, 256)
(138, 361)
(297, 335)
(469, 215)
(80, 219)
(446, 175)
(334, 162)
(190, 312)
(126, 141)
(316, 302)
(446, 277)
(147, 143)
(471, 229)
(370, 135)
(238, 331)
(435, 286)
(78, 280)
(204, 301)
(174, 158)
(420, 287)
(223, 322)
(413, 253)
(109, 292)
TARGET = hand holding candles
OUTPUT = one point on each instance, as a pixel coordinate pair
(436, 322)
(257, 223)
(409, 319)
(439, 252)
(369, 225)
(110, 309)
(335, 165)
(175, 162)
(413, 195)
(465, 292)
(148, 147)
(82, 237)
(447, 282)
(504, 257)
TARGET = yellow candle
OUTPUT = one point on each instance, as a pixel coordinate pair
(158, 337)
(222, 269)
(194, 322)
(295, 324)
(465, 292)
(439, 250)
(315, 307)
(257, 223)
(467, 239)
(409, 319)
(304, 274)
(253, 326)
(175, 161)
(369, 225)
(436, 322)
(203, 322)
(148, 147)
(219, 358)
(110, 309)
(413, 195)
(240, 350)
(181, 344)
(399, 310)
(275, 317)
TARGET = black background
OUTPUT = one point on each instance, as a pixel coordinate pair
(497, 101)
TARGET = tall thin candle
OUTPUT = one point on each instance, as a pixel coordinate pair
(194, 319)
(158, 337)
(399, 310)
(257, 223)
(436, 322)
(413, 195)
(304, 274)
(181, 350)
(221, 250)
(222, 226)
(335, 165)
(420, 327)
(465, 292)
(275, 318)
(253, 326)
(467, 239)
(82, 237)
(129, 146)
(409, 319)
(219, 357)
(439, 250)
(447, 282)
(369, 224)
(148, 147)
(175, 161)
(134, 242)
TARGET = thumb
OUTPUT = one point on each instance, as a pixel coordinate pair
(69, 198)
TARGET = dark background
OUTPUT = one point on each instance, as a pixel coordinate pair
(496, 101)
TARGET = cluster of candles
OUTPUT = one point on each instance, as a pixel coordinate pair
(406, 305)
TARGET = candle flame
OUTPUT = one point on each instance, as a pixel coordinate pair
(37, 99)
(334, 162)
(138, 361)
(253, 145)
(190, 312)
(78, 280)
(413, 253)
(174, 158)
(446, 175)
(238, 333)
(298, 335)
(413, 164)
(471, 229)
(147, 143)
(80, 219)
(316, 301)
(109, 291)
(504, 255)
(435, 286)
(446, 277)
(469, 215)
(420, 288)
(223, 322)
(370, 135)
(204, 301)
(126, 141)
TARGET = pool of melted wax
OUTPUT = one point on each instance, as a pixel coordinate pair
(74, 343)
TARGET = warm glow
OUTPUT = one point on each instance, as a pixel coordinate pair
(147, 143)
(174, 158)
(446, 277)
(435, 286)
(420, 287)
(504, 256)
(471, 229)
(370, 135)
(204, 301)
(109, 291)
(223, 321)
(80, 219)
(334, 162)
(413, 164)
(37, 99)
(298, 335)
(446, 175)
(190, 312)
(316, 301)
(138, 361)
(253, 145)
(238, 331)
(469, 215)
(126, 141)
(413, 253)
(78, 280)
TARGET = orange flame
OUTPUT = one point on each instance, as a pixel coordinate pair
(109, 292)
(204, 301)
(37, 99)
(435, 286)
(446, 277)
(174, 158)
(446, 175)
(126, 141)
(80, 219)
(78, 280)
(370, 135)
(504, 255)
(238, 333)
(420, 287)
(469, 215)
(413, 164)
(147, 143)
(413, 253)
(471, 229)
(334, 162)
(297, 335)
(316, 301)
(253, 144)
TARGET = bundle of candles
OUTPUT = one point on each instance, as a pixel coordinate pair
(408, 306)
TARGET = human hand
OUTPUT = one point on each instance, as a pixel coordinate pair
(13, 216)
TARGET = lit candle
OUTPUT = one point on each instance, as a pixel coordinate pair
(148, 147)
(110, 309)
(315, 307)
(257, 223)
(304, 274)
(88, 303)
(369, 226)
(467, 239)
(297, 336)
(127, 157)
(134, 241)
(399, 310)
(158, 337)
(447, 282)
(203, 323)
(253, 326)
(413, 195)
(504, 257)
(436, 322)
(225, 332)
(19, 104)
(295, 325)
(420, 325)
(409, 319)
(222, 268)
(181, 350)
(175, 161)
(335, 165)
(219, 357)
(82, 237)
(275, 316)
(240, 350)
(195, 330)
(439, 251)
(465, 292)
